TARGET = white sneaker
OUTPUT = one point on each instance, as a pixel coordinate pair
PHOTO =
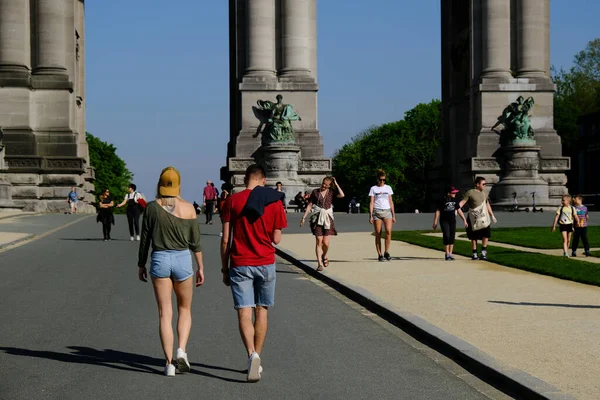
(137, 238)
(253, 368)
(260, 370)
(131, 238)
(183, 365)
(170, 370)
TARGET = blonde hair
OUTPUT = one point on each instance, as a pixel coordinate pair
(566, 197)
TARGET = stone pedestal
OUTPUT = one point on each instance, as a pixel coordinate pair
(281, 163)
(6, 201)
(520, 175)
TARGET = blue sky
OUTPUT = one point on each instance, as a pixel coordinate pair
(157, 74)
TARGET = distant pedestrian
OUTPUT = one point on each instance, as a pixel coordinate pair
(279, 188)
(382, 213)
(134, 210)
(252, 222)
(105, 213)
(216, 197)
(170, 227)
(210, 198)
(480, 212)
(445, 213)
(320, 208)
(581, 227)
(72, 199)
(300, 204)
(567, 218)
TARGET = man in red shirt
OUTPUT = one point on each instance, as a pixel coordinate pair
(252, 222)
(210, 197)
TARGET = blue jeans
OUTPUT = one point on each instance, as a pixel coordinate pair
(253, 286)
(174, 264)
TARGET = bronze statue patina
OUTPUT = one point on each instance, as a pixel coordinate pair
(517, 126)
(277, 121)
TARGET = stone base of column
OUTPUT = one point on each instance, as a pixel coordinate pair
(42, 184)
(14, 75)
(51, 81)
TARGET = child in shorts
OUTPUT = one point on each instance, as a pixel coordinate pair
(580, 230)
(566, 216)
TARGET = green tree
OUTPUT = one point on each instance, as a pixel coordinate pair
(111, 171)
(404, 149)
(577, 92)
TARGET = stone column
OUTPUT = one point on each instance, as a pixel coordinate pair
(51, 25)
(260, 22)
(296, 37)
(15, 54)
(531, 40)
(496, 39)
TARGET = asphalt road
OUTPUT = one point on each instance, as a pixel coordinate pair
(77, 324)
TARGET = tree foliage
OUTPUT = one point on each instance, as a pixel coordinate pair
(111, 171)
(404, 149)
(577, 92)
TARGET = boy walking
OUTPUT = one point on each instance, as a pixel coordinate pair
(581, 227)
(252, 222)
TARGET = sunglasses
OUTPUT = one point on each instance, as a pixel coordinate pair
(381, 180)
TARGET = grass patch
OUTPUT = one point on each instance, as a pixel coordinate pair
(595, 253)
(539, 238)
(559, 267)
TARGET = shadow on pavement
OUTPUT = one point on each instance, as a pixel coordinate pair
(94, 239)
(117, 360)
(406, 258)
(544, 304)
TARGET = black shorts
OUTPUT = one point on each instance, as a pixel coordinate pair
(565, 227)
(484, 233)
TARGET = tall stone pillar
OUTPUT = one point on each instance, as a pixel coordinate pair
(15, 54)
(51, 40)
(273, 51)
(496, 39)
(296, 33)
(260, 31)
(531, 40)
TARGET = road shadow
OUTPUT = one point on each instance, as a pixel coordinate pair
(94, 240)
(117, 360)
(405, 258)
(510, 303)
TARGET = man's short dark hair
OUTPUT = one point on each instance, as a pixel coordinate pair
(279, 183)
(132, 185)
(255, 170)
(479, 179)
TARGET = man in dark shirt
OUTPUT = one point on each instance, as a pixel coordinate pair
(445, 212)
(279, 186)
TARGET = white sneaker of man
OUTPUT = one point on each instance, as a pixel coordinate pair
(137, 238)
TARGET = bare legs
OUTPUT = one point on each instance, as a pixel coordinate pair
(163, 289)
(253, 333)
(378, 224)
(566, 236)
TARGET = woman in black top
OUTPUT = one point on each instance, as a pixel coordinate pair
(445, 212)
(105, 213)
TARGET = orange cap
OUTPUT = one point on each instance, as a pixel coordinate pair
(169, 182)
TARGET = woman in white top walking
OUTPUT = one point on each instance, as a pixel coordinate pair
(381, 212)
(133, 211)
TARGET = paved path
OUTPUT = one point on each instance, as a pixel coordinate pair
(544, 326)
(552, 252)
(77, 324)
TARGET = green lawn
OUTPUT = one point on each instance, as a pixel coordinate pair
(559, 267)
(538, 238)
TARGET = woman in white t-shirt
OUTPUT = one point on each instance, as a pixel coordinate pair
(381, 212)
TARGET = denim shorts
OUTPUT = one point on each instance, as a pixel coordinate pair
(174, 264)
(253, 286)
(379, 214)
